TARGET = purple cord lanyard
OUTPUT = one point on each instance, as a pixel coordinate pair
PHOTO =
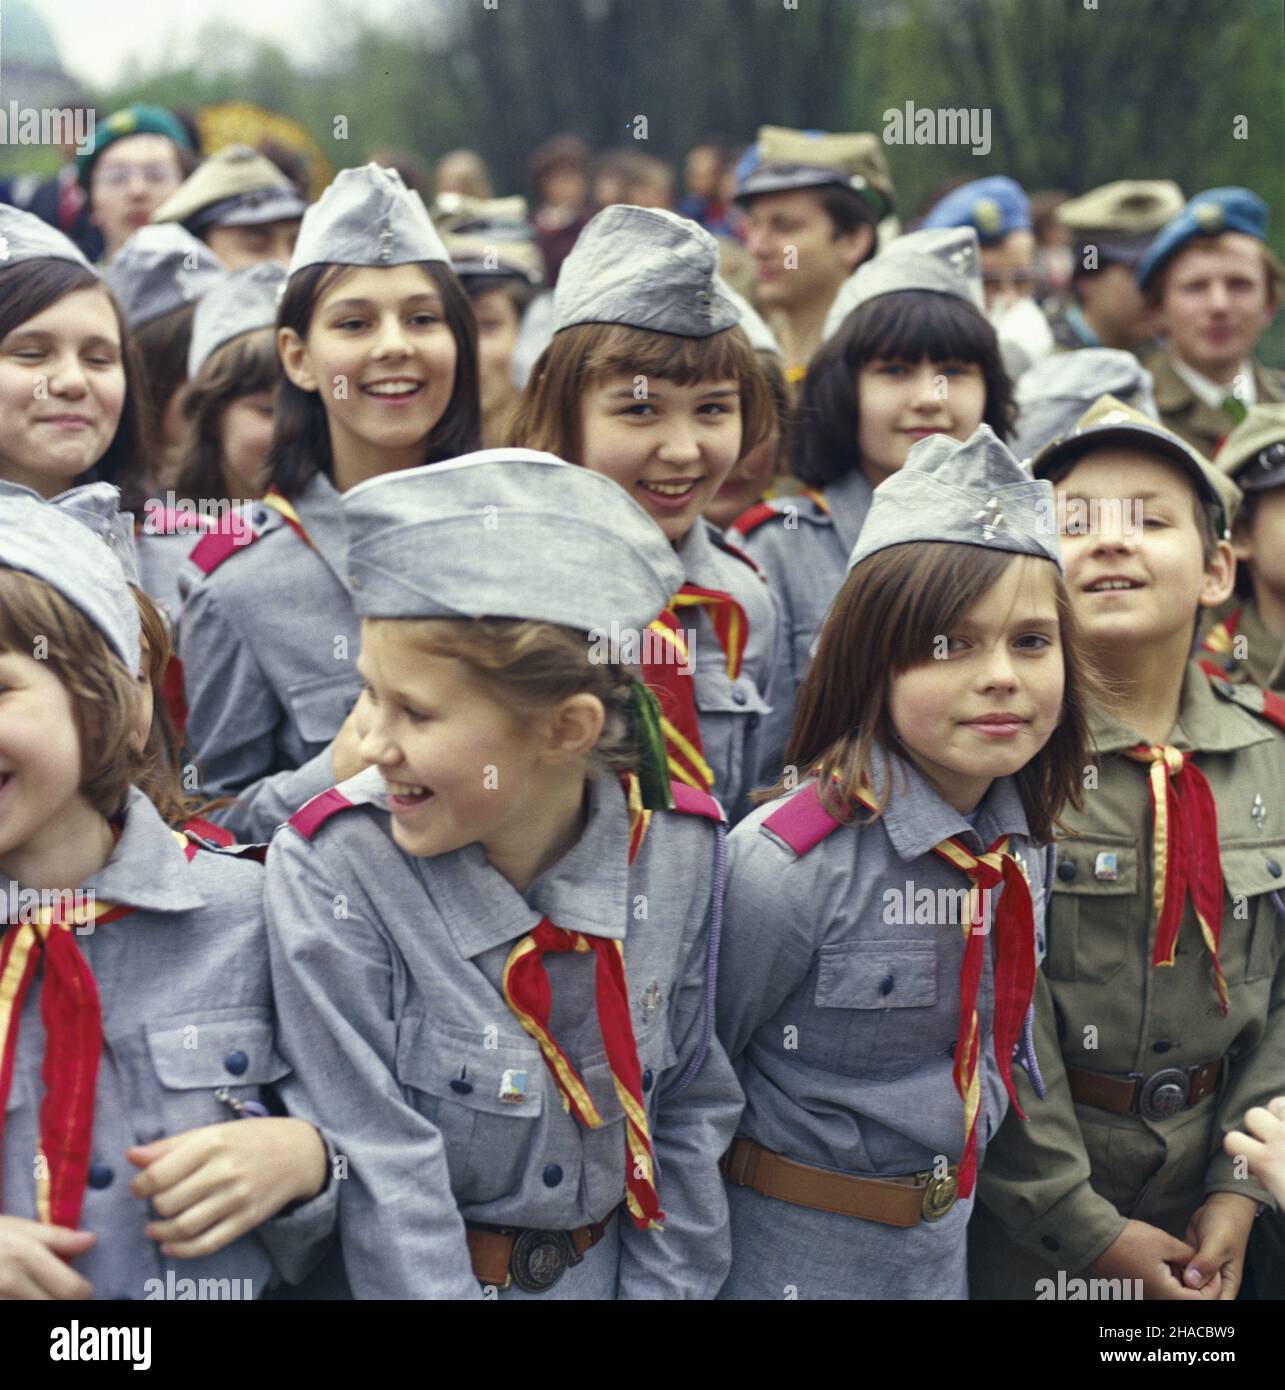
(711, 964)
(242, 1109)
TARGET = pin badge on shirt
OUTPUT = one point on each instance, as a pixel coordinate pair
(1105, 868)
(1259, 813)
(650, 1001)
(513, 1087)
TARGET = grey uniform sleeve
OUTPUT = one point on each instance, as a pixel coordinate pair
(766, 954)
(401, 1231)
(232, 719)
(690, 1258)
(297, 1235)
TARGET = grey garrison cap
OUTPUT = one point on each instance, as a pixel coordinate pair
(644, 268)
(944, 260)
(246, 300)
(26, 237)
(367, 217)
(506, 533)
(49, 542)
(1053, 394)
(970, 493)
(162, 267)
(97, 507)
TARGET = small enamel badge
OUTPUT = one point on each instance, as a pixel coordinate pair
(992, 519)
(1105, 868)
(385, 241)
(513, 1087)
(650, 1001)
(1258, 812)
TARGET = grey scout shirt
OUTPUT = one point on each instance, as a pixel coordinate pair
(733, 714)
(269, 642)
(387, 970)
(805, 557)
(823, 1000)
(187, 1009)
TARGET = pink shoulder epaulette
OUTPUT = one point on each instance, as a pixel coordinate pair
(312, 815)
(215, 547)
(802, 822)
(752, 518)
(690, 802)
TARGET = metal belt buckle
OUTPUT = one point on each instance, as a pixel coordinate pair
(939, 1193)
(1163, 1093)
(540, 1259)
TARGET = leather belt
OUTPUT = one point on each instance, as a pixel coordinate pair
(901, 1201)
(1154, 1097)
(533, 1260)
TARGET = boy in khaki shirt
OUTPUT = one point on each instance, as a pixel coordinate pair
(1159, 1011)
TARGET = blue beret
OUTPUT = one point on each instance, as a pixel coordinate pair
(995, 206)
(1216, 210)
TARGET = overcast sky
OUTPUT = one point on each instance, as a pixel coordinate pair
(96, 36)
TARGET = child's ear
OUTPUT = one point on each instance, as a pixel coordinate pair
(856, 245)
(575, 728)
(293, 352)
(1220, 576)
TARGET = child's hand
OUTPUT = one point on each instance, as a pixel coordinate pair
(1266, 1150)
(216, 1183)
(1145, 1252)
(345, 752)
(32, 1260)
(1220, 1231)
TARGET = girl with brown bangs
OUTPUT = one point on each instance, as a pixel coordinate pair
(884, 914)
(907, 354)
(651, 381)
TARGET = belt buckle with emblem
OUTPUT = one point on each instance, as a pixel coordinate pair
(1163, 1093)
(940, 1192)
(540, 1259)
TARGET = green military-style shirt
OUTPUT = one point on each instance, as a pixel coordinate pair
(1238, 643)
(1057, 1189)
(1181, 410)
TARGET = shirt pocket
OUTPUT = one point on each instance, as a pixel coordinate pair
(1095, 909)
(320, 705)
(1253, 930)
(483, 1099)
(877, 1008)
(728, 713)
(195, 1056)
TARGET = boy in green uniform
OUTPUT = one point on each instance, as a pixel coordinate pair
(1247, 640)
(1160, 1011)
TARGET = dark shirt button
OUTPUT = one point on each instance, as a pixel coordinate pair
(886, 986)
(1039, 940)
(1066, 870)
(739, 696)
(1273, 868)
(236, 1062)
(461, 1088)
(647, 1079)
(1161, 1046)
(1049, 1243)
(552, 1175)
(100, 1176)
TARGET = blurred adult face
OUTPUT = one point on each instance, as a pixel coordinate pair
(239, 246)
(799, 259)
(1216, 302)
(131, 179)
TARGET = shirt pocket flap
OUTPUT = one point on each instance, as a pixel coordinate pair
(715, 694)
(507, 1079)
(198, 1054)
(1248, 868)
(319, 706)
(877, 975)
(1097, 866)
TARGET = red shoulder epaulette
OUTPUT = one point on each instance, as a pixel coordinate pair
(802, 822)
(204, 834)
(215, 547)
(752, 518)
(690, 802)
(312, 815)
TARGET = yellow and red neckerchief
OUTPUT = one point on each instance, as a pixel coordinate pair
(525, 984)
(279, 502)
(670, 678)
(1185, 857)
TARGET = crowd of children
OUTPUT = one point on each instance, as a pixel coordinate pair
(579, 794)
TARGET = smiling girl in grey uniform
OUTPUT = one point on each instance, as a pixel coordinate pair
(493, 951)
(886, 917)
(133, 977)
(907, 353)
(650, 380)
(378, 350)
